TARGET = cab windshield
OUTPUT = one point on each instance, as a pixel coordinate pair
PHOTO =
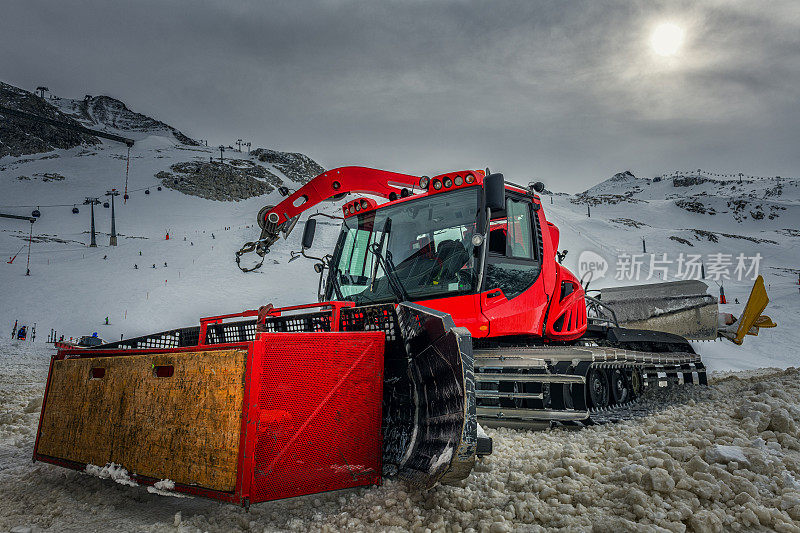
(426, 245)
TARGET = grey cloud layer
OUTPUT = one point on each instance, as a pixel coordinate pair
(566, 91)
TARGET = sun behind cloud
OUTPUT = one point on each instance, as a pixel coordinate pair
(667, 39)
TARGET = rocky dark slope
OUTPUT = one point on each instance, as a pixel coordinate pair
(233, 180)
(297, 167)
(21, 137)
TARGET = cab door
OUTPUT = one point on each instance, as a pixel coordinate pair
(512, 296)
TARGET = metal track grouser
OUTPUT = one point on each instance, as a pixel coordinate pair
(441, 308)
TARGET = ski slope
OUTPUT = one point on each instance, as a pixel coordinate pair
(72, 288)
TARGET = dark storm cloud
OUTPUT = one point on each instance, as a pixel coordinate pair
(567, 91)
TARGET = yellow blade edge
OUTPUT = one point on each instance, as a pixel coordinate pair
(751, 316)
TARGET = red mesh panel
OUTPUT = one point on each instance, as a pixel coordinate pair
(319, 413)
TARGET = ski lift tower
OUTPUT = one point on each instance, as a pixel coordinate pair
(112, 241)
(92, 202)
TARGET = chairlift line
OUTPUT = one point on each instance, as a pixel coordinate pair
(30, 238)
(127, 167)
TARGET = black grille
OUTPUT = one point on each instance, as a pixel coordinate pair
(371, 318)
(242, 331)
(539, 243)
(175, 338)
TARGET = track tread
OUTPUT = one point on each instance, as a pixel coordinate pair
(667, 369)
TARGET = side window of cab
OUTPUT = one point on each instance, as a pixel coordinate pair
(513, 261)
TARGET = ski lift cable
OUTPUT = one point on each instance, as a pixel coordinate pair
(67, 205)
(30, 238)
(127, 167)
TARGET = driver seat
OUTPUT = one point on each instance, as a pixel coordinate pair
(453, 256)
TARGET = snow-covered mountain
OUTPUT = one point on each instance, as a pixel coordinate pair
(731, 200)
(207, 206)
(651, 230)
(109, 114)
(690, 209)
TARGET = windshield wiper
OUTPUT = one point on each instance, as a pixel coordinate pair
(388, 265)
(337, 286)
(392, 273)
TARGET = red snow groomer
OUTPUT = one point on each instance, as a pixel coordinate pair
(440, 308)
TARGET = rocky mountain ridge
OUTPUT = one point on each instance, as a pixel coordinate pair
(107, 113)
(754, 198)
(23, 137)
(298, 167)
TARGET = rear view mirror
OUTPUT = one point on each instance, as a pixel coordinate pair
(308, 233)
(495, 189)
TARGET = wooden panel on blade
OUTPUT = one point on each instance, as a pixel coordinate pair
(168, 416)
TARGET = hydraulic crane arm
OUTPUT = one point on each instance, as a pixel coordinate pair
(334, 184)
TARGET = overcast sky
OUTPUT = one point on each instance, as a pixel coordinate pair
(569, 92)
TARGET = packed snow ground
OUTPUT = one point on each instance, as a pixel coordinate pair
(719, 458)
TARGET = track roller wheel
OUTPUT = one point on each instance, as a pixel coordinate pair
(620, 386)
(599, 389)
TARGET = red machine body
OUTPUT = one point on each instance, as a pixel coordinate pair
(552, 307)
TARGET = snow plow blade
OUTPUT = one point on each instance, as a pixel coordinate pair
(752, 319)
(681, 307)
(331, 396)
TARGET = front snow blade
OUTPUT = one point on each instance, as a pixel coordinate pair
(681, 307)
(429, 423)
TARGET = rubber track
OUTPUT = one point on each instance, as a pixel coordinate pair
(653, 373)
(631, 409)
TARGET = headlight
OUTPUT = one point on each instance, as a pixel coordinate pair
(358, 207)
(364, 204)
(424, 181)
(448, 182)
(470, 178)
(458, 180)
(436, 184)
